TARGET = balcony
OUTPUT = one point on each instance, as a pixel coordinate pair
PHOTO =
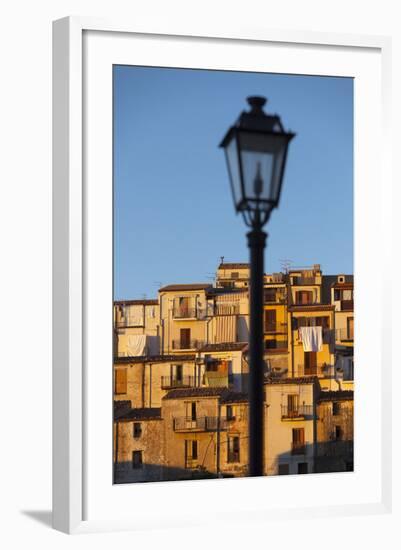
(274, 297)
(185, 313)
(347, 305)
(279, 328)
(170, 382)
(200, 424)
(314, 370)
(129, 323)
(296, 413)
(344, 335)
(298, 448)
(276, 345)
(299, 281)
(187, 344)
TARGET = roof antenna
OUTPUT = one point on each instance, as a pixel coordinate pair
(286, 265)
(222, 259)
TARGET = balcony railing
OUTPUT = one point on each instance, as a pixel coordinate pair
(347, 305)
(187, 344)
(129, 322)
(298, 448)
(296, 413)
(200, 424)
(185, 313)
(278, 298)
(280, 328)
(344, 335)
(316, 370)
(181, 382)
(276, 344)
(299, 281)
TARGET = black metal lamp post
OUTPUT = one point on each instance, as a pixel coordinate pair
(256, 151)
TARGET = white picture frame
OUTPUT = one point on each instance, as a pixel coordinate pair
(74, 210)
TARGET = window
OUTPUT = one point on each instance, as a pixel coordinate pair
(270, 295)
(230, 412)
(283, 469)
(302, 467)
(137, 430)
(292, 404)
(233, 449)
(235, 275)
(338, 433)
(336, 409)
(120, 381)
(350, 328)
(270, 320)
(191, 453)
(310, 362)
(185, 338)
(303, 297)
(177, 374)
(298, 440)
(137, 459)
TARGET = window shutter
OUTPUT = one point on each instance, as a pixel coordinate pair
(121, 381)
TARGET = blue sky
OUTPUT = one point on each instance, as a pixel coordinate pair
(173, 212)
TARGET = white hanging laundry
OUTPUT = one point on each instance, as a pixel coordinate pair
(312, 338)
(136, 345)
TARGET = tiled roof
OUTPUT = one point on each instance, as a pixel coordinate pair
(195, 392)
(136, 302)
(153, 359)
(151, 413)
(299, 380)
(343, 285)
(193, 286)
(340, 395)
(225, 346)
(234, 397)
(311, 307)
(217, 291)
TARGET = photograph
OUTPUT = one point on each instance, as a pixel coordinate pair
(233, 274)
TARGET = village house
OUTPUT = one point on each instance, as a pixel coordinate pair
(181, 365)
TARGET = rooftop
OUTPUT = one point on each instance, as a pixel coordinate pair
(341, 395)
(183, 287)
(225, 346)
(299, 380)
(195, 392)
(234, 266)
(152, 413)
(136, 302)
(153, 359)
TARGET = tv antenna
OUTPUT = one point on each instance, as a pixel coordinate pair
(286, 265)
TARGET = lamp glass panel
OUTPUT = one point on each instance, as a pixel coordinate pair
(262, 157)
(234, 171)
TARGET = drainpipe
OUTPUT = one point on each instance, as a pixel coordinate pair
(218, 439)
(116, 452)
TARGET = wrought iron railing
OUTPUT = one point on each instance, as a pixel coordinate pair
(187, 344)
(178, 382)
(201, 423)
(344, 334)
(300, 411)
(185, 313)
(298, 448)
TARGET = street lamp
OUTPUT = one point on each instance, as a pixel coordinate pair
(256, 151)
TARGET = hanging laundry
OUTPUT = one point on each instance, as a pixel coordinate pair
(312, 338)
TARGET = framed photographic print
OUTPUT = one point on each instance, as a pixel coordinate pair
(188, 371)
